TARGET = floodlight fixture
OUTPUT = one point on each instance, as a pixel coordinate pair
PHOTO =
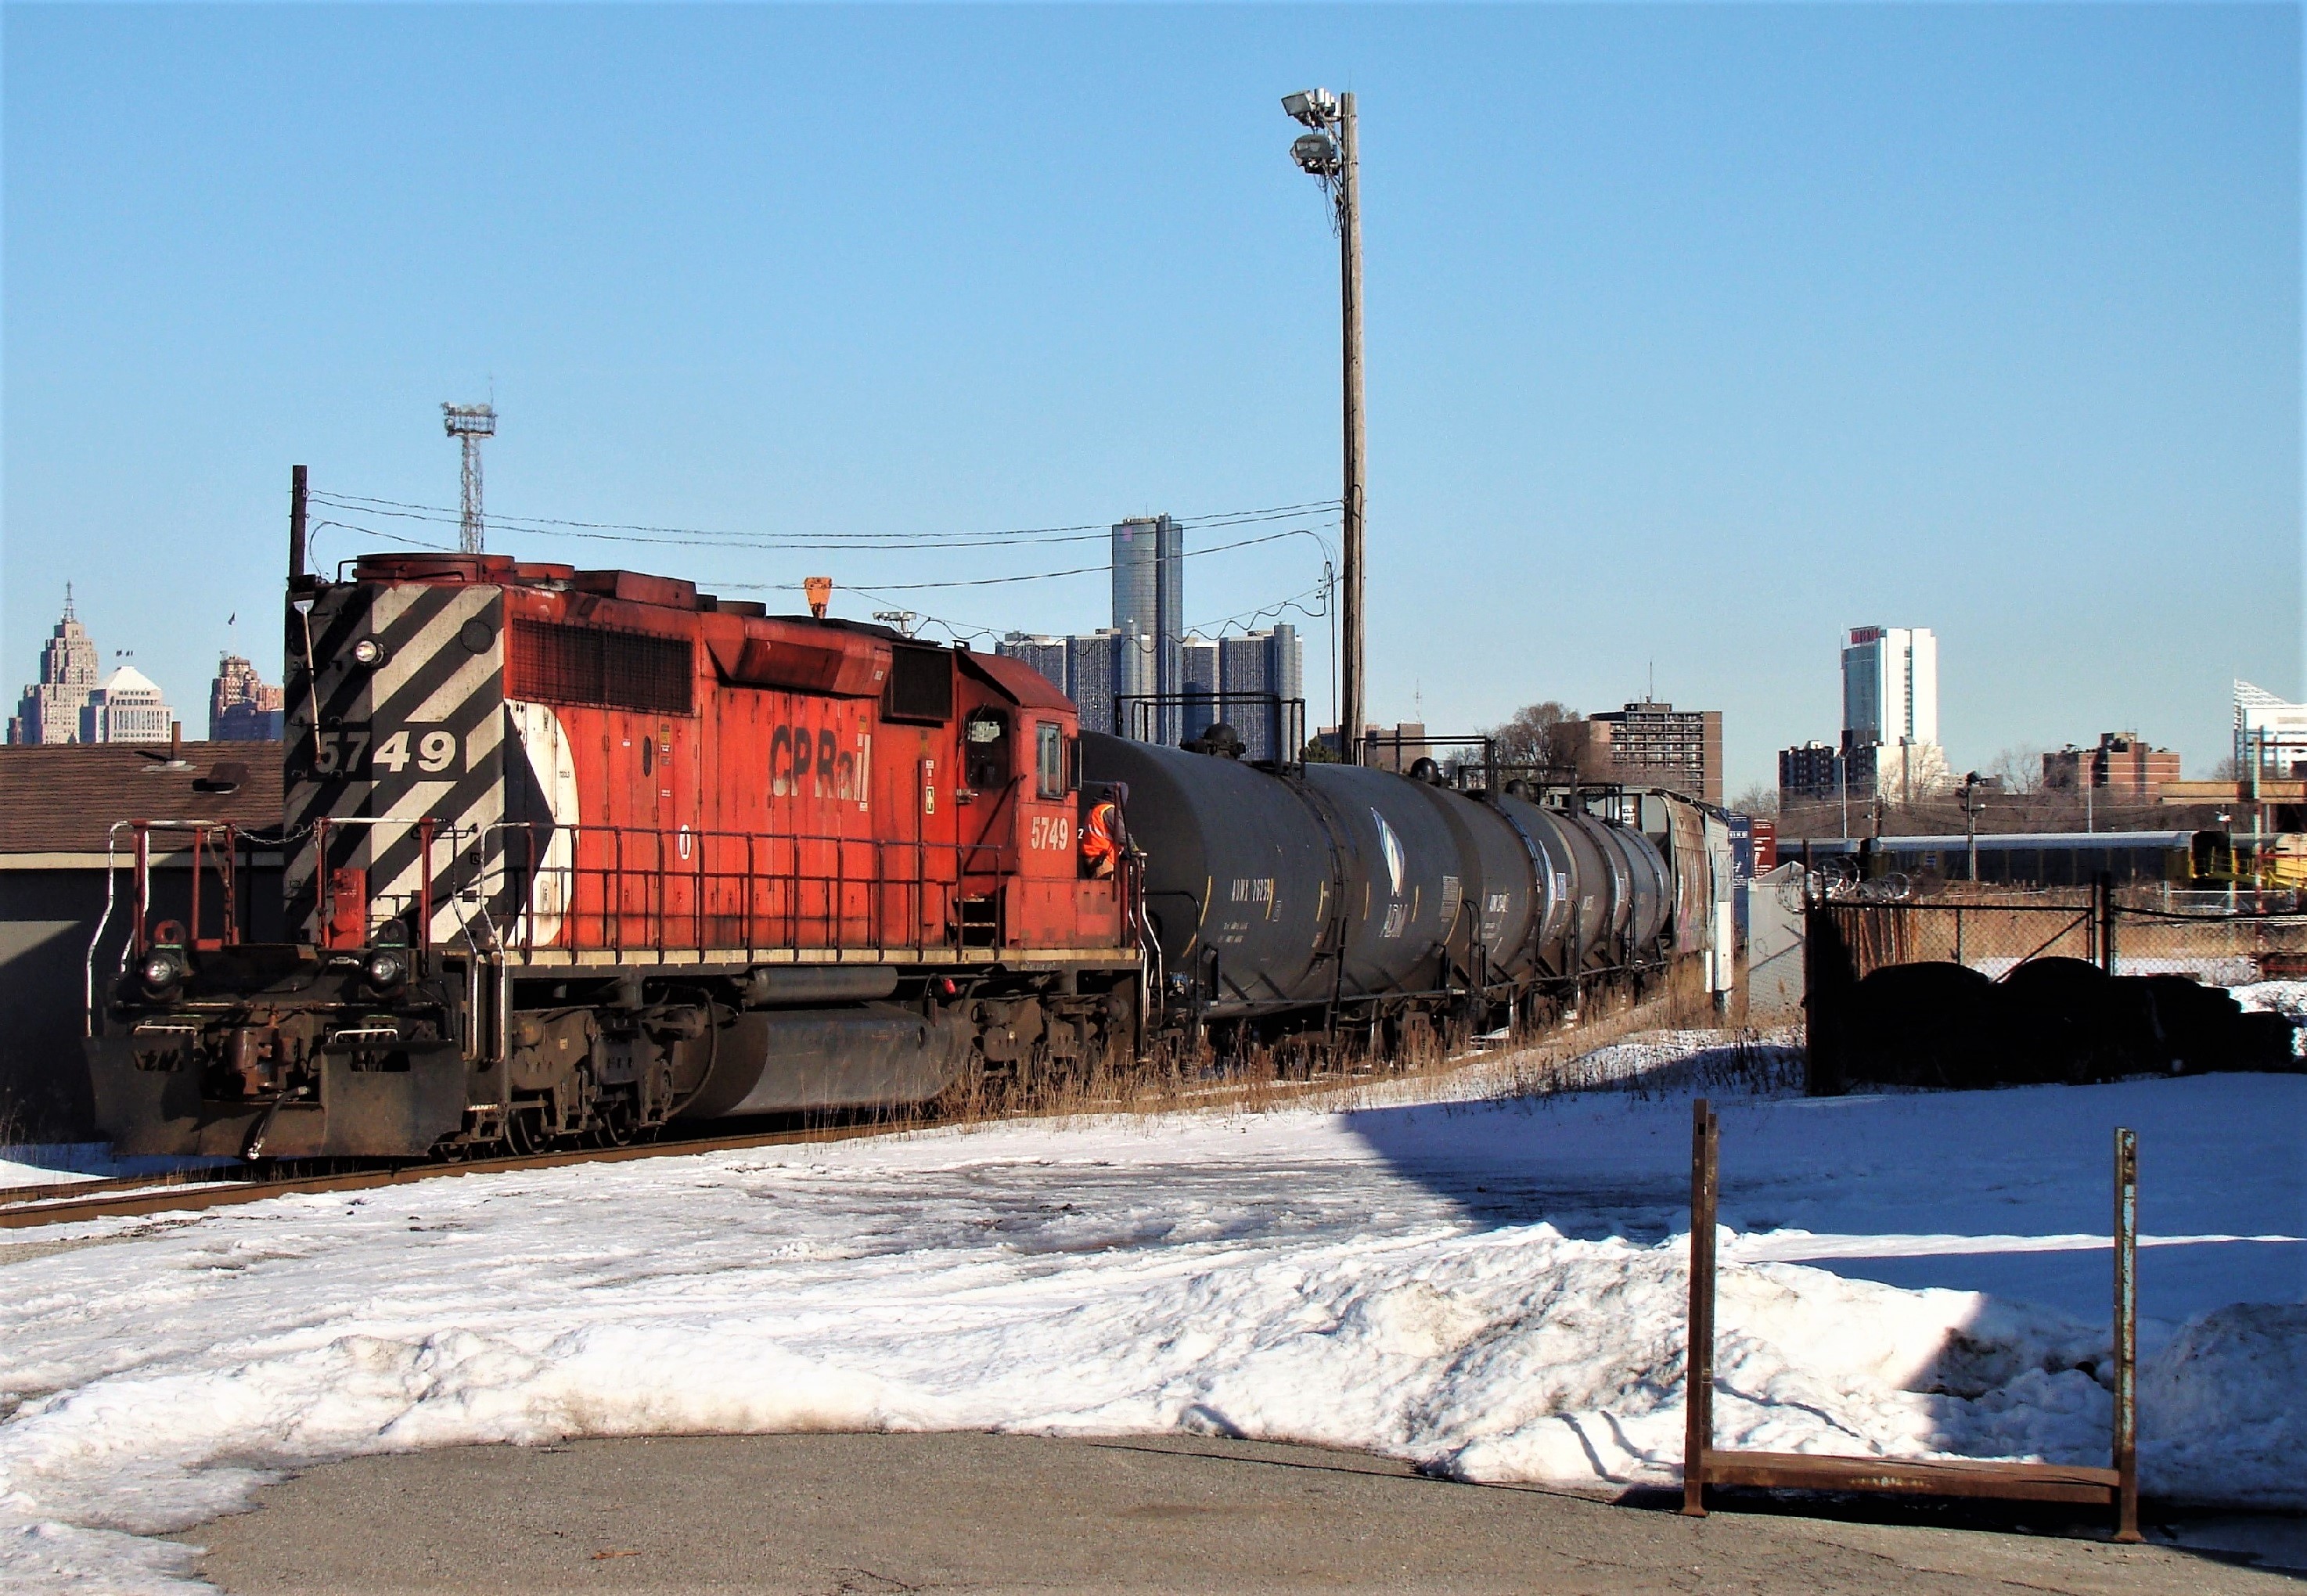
(1315, 108)
(1316, 154)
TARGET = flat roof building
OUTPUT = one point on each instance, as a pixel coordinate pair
(1648, 741)
(2124, 765)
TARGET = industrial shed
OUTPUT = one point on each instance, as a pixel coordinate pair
(58, 807)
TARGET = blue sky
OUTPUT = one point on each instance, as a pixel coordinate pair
(1695, 334)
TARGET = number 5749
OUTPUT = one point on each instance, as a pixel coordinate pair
(350, 751)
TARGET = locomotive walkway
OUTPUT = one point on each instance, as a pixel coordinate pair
(830, 1512)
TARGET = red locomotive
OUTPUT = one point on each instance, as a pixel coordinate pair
(569, 851)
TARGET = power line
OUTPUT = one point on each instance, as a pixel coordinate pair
(1032, 577)
(618, 532)
(886, 587)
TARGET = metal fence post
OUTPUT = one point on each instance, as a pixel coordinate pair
(1698, 1364)
(2126, 1335)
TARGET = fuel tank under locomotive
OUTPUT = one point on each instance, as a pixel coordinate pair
(1270, 891)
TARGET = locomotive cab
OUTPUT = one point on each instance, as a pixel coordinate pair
(1021, 753)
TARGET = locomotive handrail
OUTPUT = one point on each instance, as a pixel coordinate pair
(200, 831)
(632, 899)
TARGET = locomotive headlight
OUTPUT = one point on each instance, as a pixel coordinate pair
(368, 651)
(386, 967)
(163, 970)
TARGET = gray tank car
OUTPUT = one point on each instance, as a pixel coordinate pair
(1280, 896)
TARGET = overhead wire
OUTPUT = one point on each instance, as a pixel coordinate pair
(1085, 570)
(697, 537)
(882, 592)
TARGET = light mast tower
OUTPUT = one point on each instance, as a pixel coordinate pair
(469, 424)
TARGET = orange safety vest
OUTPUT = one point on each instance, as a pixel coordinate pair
(1099, 849)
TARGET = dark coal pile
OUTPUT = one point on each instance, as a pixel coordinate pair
(2048, 1020)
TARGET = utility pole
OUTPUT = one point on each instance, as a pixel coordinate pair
(1349, 228)
(1970, 807)
(1337, 163)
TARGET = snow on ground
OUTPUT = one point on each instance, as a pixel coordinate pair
(13, 1174)
(2216, 970)
(45, 1163)
(1495, 1289)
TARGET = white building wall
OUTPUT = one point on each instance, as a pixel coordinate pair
(1922, 654)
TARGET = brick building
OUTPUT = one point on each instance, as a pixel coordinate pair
(2124, 765)
(1652, 742)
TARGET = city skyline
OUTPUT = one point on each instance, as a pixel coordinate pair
(1828, 314)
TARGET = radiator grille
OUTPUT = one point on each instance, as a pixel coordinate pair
(561, 664)
(921, 684)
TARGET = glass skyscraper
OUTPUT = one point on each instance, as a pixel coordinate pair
(1149, 612)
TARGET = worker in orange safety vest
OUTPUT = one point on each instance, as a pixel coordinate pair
(1101, 839)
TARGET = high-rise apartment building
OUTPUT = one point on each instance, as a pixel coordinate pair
(1811, 772)
(242, 707)
(1149, 609)
(1652, 742)
(1890, 703)
(128, 708)
(1890, 685)
(49, 710)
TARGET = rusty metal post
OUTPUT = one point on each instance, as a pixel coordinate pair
(1698, 1365)
(2105, 893)
(143, 929)
(2126, 1335)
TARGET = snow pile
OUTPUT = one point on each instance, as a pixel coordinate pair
(2288, 998)
(2213, 969)
(1495, 1290)
(2234, 1380)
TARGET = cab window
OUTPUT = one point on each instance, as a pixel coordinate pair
(986, 750)
(1049, 759)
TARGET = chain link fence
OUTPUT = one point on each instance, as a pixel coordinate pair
(1976, 986)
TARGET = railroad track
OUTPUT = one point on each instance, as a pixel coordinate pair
(131, 1196)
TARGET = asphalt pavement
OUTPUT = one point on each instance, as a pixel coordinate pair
(820, 1515)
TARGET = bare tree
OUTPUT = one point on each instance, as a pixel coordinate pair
(1758, 800)
(2021, 768)
(1536, 734)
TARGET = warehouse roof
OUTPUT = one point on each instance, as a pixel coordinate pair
(63, 798)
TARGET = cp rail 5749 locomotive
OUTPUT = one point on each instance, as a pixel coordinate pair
(571, 854)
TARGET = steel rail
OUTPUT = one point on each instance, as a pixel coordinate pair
(121, 1182)
(129, 1197)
